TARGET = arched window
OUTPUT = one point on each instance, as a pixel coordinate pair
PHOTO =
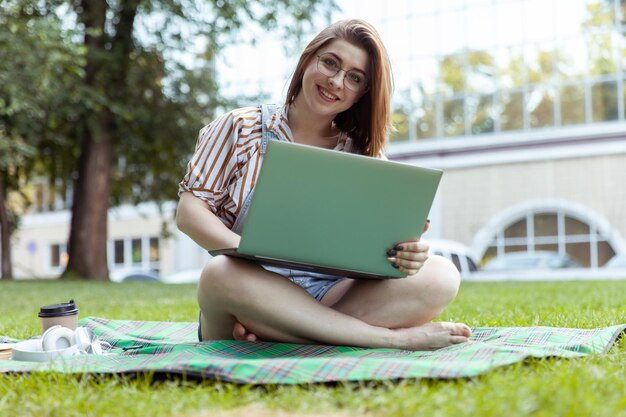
(561, 227)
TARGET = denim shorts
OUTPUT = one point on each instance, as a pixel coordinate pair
(316, 284)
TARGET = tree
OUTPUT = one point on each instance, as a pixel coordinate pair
(115, 55)
(36, 97)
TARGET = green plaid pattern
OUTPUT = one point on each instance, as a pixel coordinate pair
(172, 348)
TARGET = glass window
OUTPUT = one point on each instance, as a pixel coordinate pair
(546, 224)
(482, 111)
(118, 249)
(572, 104)
(481, 72)
(515, 248)
(456, 261)
(517, 229)
(605, 252)
(452, 74)
(470, 263)
(424, 73)
(512, 113)
(427, 119)
(575, 227)
(55, 255)
(541, 63)
(604, 101)
(600, 50)
(58, 255)
(155, 254)
(136, 251)
(621, 17)
(511, 69)
(454, 117)
(541, 106)
(581, 252)
(554, 231)
(573, 64)
(400, 122)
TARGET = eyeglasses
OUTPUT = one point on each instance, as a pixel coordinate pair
(329, 65)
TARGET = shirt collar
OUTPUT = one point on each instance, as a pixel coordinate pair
(277, 123)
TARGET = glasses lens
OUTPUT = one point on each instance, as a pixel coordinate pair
(328, 65)
(355, 81)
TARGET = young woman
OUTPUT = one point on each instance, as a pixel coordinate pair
(339, 98)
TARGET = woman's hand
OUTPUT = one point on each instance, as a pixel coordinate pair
(409, 257)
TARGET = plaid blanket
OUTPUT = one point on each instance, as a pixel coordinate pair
(172, 348)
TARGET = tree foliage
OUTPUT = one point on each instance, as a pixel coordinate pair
(108, 96)
(40, 72)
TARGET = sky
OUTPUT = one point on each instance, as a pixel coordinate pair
(413, 32)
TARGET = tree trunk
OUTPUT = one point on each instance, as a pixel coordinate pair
(88, 233)
(87, 247)
(105, 72)
(6, 271)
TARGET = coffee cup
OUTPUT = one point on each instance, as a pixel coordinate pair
(63, 314)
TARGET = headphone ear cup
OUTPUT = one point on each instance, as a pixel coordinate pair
(83, 337)
(57, 338)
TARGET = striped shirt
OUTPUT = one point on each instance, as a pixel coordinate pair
(225, 166)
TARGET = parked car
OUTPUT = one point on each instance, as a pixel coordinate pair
(133, 274)
(530, 261)
(618, 261)
(460, 255)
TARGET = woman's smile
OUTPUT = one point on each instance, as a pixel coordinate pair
(327, 95)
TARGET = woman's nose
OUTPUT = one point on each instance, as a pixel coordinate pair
(337, 79)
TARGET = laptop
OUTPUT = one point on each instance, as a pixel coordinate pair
(333, 212)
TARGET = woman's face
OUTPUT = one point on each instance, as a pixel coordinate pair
(329, 95)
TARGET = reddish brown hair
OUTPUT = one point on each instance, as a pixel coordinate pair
(368, 121)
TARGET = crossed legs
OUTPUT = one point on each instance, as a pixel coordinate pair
(386, 313)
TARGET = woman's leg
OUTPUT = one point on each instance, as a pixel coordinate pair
(397, 303)
(272, 307)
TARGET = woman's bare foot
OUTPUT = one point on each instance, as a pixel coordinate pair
(432, 336)
(242, 334)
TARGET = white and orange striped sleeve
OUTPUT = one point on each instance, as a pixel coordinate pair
(214, 159)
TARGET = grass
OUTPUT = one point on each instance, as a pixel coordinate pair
(591, 386)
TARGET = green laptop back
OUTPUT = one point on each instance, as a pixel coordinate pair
(335, 209)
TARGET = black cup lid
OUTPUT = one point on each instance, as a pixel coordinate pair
(56, 310)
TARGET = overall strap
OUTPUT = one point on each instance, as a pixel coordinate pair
(267, 110)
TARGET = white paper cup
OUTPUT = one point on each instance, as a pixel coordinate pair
(64, 314)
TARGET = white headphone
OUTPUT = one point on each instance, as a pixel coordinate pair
(59, 338)
(59, 342)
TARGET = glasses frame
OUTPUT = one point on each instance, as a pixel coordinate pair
(326, 73)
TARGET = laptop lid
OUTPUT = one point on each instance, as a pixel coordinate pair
(339, 211)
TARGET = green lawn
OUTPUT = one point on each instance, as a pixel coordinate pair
(592, 386)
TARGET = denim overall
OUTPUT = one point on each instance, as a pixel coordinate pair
(316, 284)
